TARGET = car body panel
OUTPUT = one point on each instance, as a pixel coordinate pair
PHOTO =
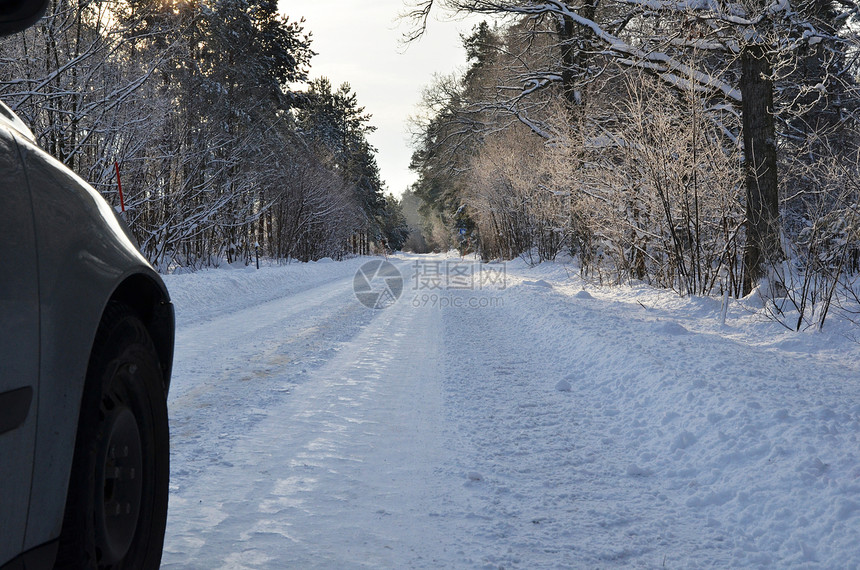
(66, 256)
(84, 255)
(12, 121)
(19, 348)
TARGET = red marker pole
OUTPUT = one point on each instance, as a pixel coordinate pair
(119, 185)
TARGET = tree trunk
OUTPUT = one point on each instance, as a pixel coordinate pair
(566, 30)
(762, 225)
(575, 43)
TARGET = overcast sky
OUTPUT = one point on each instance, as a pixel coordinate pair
(358, 41)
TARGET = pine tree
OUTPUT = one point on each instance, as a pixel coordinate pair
(337, 128)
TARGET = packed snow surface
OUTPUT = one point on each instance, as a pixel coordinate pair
(503, 416)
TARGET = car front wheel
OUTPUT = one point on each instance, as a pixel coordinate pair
(116, 509)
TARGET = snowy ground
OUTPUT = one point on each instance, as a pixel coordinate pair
(532, 422)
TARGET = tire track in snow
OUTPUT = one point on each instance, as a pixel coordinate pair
(337, 459)
(546, 469)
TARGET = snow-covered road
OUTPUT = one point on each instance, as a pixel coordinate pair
(525, 421)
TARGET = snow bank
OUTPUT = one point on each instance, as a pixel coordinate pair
(751, 429)
(208, 293)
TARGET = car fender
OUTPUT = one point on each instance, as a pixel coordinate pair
(85, 259)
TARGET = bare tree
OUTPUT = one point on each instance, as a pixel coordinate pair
(189, 103)
(732, 53)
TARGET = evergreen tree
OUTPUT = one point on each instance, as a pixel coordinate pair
(393, 225)
(337, 128)
(194, 102)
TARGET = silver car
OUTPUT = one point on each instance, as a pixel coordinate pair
(86, 349)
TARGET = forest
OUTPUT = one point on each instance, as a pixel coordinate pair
(204, 113)
(704, 146)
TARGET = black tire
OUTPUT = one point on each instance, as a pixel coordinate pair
(116, 508)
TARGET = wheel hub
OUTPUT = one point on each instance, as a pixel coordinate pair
(118, 506)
